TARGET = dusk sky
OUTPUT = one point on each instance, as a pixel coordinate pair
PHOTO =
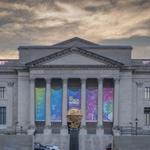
(45, 22)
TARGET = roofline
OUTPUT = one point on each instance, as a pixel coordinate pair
(62, 47)
(8, 59)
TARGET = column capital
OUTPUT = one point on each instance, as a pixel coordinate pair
(65, 79)
(83, 79)
(117, 80)
(139, 84)
(100, 79)
(48, 80)
(32, 79)
(10, 84)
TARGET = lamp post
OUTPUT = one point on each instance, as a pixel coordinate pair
(16, 124)
(131, 125)
(74, 116)
(136, 126)
(21, 129)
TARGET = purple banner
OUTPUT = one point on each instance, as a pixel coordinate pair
(108, 104)
(91, 104)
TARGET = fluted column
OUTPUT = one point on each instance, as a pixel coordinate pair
(116, 102)
(47, 129)
(83, 101)
(100, 102)
(64, 119)
(83, 106)
(32, 102)
(100, 108)
(48, 102)
(139, 104)
(64, 108)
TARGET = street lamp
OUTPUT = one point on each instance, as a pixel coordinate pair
(131, 125)
(136, 126)
(21, 129)
(16, 124)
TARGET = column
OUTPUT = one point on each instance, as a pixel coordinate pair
(64, 107)
(10, 88)
(32, 102)
(100, 102)
(83, 101)
(47, 129)
(139, 105)
(48, 93)
(100, 108)
(83, 106)
(32, 107)
(116, 103)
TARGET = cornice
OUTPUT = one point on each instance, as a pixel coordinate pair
(87, 47)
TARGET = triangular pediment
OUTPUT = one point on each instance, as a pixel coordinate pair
(73, 59)
(74, 56)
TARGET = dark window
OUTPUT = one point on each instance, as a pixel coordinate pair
(2, 92)
(2, 115)
(147, 93)
(147, 116)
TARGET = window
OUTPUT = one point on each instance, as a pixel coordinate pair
(147, 93)
(147, 116)
(2, 92)
(2, 115)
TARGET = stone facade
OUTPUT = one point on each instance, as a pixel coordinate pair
(74, 58)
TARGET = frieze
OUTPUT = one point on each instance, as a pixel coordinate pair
(74, 74)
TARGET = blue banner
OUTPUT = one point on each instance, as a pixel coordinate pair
(74, 96)
(56, 104)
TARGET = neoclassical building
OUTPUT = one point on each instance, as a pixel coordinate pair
(111, 89)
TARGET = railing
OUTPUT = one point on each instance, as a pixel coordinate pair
(128, 130)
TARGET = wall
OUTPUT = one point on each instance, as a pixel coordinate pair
(86, 142)
(131, 143)
(23, 99)
(10, 98)
(16, 142)
(125, 98)
(140, 82)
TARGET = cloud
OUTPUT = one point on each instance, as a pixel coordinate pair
(140, 44)
(50, 21)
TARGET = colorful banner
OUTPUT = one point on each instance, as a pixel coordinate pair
(74, 96)
(40, 104)
(56, 104)
(108, 104)
(91, 104)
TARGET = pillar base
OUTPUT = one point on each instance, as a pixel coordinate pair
(83, 131)
(64, 130)
(31, 130)
(100, 131)
(116, 132)
(47, 130)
